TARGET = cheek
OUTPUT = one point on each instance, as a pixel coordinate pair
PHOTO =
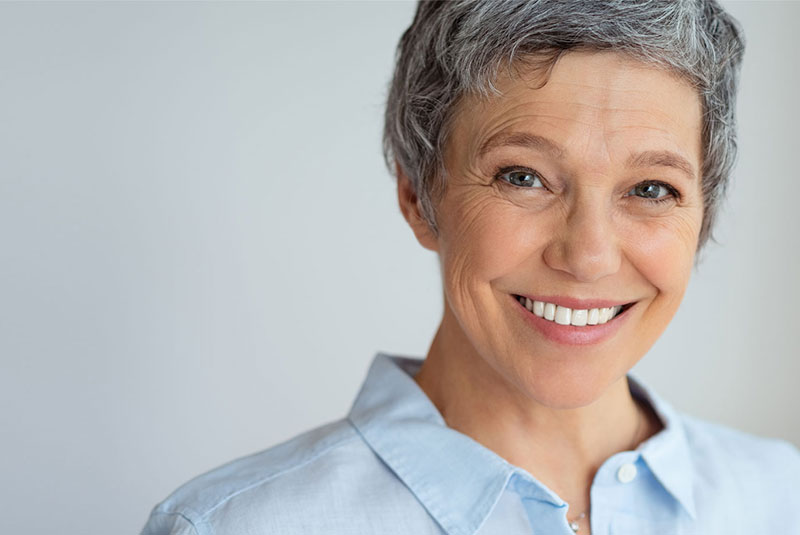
(485, 238)
(663, 251)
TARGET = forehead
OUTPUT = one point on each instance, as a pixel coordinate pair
(603, 106)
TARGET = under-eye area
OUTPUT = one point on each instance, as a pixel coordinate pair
(569, 316)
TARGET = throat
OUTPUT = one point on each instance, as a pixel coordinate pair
(562, 448)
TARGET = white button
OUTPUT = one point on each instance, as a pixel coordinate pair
(626, 473)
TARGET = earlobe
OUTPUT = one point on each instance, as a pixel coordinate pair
(412, 212)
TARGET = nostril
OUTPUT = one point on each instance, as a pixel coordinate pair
(586, 262)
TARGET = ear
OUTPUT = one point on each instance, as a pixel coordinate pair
(412, 212)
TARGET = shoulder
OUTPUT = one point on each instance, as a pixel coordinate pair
(722, 458)
(713, 442)
(262, 492)
(213, 488)
(731, 461)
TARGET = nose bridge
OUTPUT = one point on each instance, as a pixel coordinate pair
(587, 246)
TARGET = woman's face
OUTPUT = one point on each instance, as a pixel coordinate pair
(582, 194)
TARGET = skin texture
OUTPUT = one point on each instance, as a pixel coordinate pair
(560, 410)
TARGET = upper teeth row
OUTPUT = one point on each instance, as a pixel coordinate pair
(568, 316)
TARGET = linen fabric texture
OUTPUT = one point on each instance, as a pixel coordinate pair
(394, 467)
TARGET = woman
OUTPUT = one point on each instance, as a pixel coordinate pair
(565, 160)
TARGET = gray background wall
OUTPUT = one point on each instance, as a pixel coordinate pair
(200, 250)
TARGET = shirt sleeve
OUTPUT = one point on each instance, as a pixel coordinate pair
(789, 469)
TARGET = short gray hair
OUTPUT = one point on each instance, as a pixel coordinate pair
(459, 47)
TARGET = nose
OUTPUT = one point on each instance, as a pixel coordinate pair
(586, 244)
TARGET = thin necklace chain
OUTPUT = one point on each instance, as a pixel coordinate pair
(574, 524)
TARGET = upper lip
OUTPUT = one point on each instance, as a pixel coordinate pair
(576, 303)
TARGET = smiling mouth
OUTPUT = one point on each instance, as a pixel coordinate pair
(567, 316)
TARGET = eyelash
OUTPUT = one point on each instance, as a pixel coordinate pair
(674, 194)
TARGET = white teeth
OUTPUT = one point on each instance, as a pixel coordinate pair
(580, 317)
(567, 316)
(563, 315)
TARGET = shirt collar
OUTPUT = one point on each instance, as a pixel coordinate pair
(459, 481)
(667, 453)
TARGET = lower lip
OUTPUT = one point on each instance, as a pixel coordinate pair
(570, 334)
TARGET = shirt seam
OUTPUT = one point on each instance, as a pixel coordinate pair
(182, 515)
(267, 479)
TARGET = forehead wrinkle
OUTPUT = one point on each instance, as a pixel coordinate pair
(573, 124)
(595, 111)
(612, 100)
(592, 143)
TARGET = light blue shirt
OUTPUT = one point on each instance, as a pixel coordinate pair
(393, 467)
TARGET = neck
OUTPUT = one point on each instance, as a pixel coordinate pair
(563, 448)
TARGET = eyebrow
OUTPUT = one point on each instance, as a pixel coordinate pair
(662, 158)
(649, 158)
(521, 139)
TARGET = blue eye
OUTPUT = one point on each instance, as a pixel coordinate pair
(522, 178)
(654, 191)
